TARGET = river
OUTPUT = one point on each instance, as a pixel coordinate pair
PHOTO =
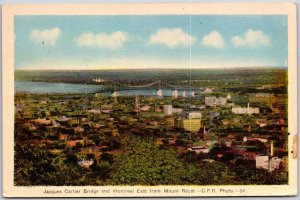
(49, 87)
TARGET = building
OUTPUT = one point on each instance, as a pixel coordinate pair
(167, 109)
(192, 125)
(213, 115)
(85, 163)
(145, 108)
(177, 110)
(214, 101)
(170, 122)
(199, 149)
(207, 90)
(193, 115)
(265, 162)
(248, 110)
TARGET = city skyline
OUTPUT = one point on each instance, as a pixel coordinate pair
(165, 41)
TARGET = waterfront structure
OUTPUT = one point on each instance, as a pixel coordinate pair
(175, 93)
(159, 93)
(183, 93)
(115, 94)
(167, 109)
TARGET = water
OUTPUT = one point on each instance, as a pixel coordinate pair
(45, 87)
(48, 87)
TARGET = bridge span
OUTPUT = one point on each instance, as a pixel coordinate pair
(158, 85)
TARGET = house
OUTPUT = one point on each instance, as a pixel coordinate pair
(199, 149)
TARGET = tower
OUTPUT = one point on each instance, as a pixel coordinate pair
(159, 92)
(183, 93)
(272, 148)
(175, 93)
(248, 109)
(137, 104)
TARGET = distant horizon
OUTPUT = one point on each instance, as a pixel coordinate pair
(193, 68)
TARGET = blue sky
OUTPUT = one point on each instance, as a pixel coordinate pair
(164, 41)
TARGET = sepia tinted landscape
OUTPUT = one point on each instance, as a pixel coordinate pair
(151, 127)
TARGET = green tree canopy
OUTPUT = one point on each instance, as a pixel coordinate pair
(143, 163)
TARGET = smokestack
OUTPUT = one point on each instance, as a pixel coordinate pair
(272, 148)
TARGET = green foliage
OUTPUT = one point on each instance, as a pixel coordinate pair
(254, 176)
(145, 164)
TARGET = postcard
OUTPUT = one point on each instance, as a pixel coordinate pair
(149, 100)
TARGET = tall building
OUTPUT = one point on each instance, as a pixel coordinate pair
(192, 125)
(167, 109)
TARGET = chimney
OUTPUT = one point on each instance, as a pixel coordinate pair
(272, 148)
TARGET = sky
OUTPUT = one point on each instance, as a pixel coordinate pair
(152, 41)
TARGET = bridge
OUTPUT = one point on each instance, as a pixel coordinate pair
(158, 85)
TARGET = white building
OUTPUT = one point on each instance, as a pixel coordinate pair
(167, 109)
(199, 149)
(265, 162)
(262, 162)
(85, 163)
(249, 110)
(193, 115)
(214, 101)
(207, 90)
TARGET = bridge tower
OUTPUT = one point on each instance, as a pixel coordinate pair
(159, 92)
(175, 93)
(183, 93)
(115, 94)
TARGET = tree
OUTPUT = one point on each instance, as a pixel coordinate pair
(143, 163)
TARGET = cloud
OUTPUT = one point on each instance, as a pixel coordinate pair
(213, 39)
(102, 40)
(172, 38)
(47, 37)
(251, 38)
